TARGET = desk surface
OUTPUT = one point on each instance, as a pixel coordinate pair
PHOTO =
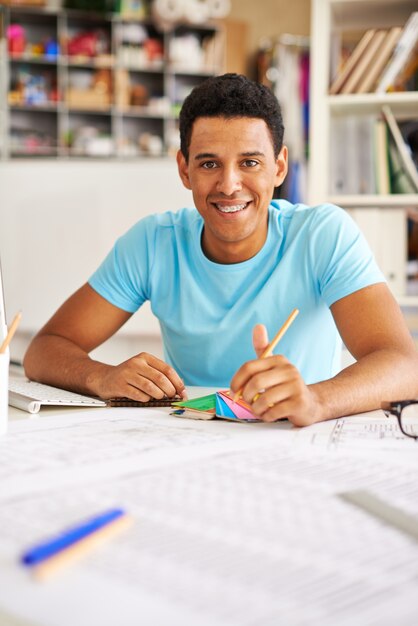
(234, 524)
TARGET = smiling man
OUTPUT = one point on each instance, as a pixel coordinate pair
(232, 170)
(223, 276)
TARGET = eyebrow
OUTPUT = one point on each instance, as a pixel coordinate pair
(212, 155)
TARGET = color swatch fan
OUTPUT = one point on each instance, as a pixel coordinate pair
(219, 404)
(222, 404)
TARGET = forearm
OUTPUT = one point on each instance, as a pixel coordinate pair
(57, 361)
(382, 375)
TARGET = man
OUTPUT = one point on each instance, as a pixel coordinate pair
(238, 263)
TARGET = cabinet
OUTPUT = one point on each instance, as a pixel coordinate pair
(76, 84)
(381, 217)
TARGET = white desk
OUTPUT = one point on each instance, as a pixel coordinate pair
(235, 524)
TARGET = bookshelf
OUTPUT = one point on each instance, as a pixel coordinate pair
(82, 84)
(383, 218)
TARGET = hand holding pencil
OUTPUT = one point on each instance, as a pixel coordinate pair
(273, 386)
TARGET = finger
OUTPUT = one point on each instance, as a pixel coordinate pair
(146, 367)
(125, 390)
(267, 373)
(251, 368)
(272, 397)
(143, 382)
(137, 394)
(290, 410)
(151, 381)
(171, 381)
(262, 382)
(282, 410)
(260, 339)
(291, 400)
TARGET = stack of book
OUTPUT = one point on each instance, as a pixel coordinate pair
(383, 60)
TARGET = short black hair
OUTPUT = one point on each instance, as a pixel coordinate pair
(231, 96)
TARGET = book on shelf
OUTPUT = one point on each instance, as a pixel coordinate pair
(366, 61)
(399, 179)
(352, 169)
(342, 179)
(407, 79)
(405, 48)
(381, 162)
(351, 62)
(384, 52)
(364, 142)
(408, 163)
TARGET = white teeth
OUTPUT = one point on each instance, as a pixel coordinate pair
(230, 209)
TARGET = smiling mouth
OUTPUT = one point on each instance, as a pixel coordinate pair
(231, 208)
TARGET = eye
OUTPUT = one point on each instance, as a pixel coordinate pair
(250, 163)
(208, 165)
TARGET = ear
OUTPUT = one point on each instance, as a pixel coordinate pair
(183, 169)
(281, 166)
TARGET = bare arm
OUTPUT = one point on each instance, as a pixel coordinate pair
(59, 354)
(374, 331)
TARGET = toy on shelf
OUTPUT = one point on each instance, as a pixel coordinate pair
(16, 39)
(97, 95)
(88, 44)
(33, 88)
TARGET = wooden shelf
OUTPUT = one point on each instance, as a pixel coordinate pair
(140, 112)
(92, 63)
(392, 201)
(372, 102)
(407, 301)
(156, 68)
(34, 60)
(48, 107)
(35, 152)
(72, 108)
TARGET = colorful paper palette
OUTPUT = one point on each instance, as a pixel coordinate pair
(219, 404)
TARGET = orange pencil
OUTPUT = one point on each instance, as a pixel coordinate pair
(11, 332)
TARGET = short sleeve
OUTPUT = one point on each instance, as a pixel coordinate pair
(341, 259)
(123, 277)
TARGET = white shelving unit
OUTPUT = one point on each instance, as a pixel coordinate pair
(134, 111)
(381, 217)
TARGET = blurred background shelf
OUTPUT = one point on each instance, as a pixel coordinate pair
(81, 65)
(352, 150)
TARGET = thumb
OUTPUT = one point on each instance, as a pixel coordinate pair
(260, 339)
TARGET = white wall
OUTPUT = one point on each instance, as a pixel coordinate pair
(59, 219)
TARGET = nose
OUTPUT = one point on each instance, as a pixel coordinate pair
(229, 180)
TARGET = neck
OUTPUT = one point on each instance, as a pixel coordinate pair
(229, 252)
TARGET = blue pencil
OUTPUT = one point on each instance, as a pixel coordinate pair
(68, 537)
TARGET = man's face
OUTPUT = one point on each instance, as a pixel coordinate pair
(232, 172)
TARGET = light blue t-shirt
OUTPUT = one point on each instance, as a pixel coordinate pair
(312, 257)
